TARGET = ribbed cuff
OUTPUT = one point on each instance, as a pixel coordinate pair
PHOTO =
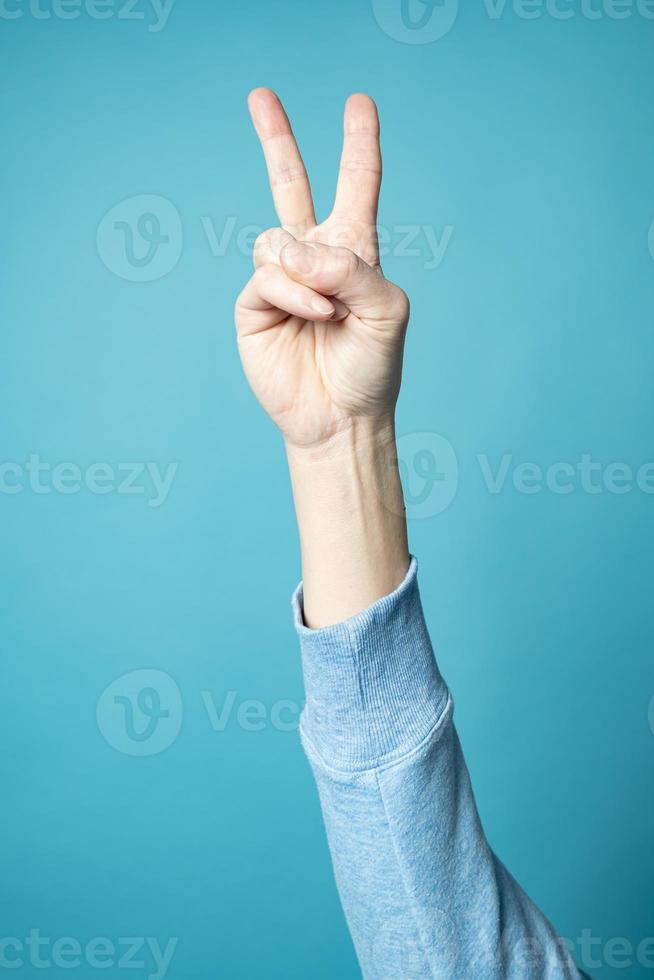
(373, 690)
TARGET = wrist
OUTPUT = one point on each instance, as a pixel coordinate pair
(351, 475)
(350, 511)
(355, 435)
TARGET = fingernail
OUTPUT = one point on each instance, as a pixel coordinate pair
(340, 310)
(322, 306)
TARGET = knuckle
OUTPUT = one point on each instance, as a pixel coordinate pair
(261, 241)
(264, 245)
(260, 249)
(288, 175)
(273, 234)
(347, 259)
(361, 165)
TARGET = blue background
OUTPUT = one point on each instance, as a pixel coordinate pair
(534, 140)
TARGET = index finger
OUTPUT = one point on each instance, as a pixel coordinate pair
(359, 178)
(288, 177)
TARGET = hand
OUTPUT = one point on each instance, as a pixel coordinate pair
(320, 330)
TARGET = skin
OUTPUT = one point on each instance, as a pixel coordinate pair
(321, 334)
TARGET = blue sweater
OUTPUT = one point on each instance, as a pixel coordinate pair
(423, 893)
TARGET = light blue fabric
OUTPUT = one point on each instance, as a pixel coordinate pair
(424, 895)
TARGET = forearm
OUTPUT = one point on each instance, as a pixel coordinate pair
(350, 512)
(424, 895)
(423, 892)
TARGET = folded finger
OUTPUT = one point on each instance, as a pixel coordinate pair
(341, 273)
(271, 289)
(268, 246)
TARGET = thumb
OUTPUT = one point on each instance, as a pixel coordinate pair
(339, 272)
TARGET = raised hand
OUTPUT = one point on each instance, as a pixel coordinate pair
(320, 330)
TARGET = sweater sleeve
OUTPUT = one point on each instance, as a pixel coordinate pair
(423, 893)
